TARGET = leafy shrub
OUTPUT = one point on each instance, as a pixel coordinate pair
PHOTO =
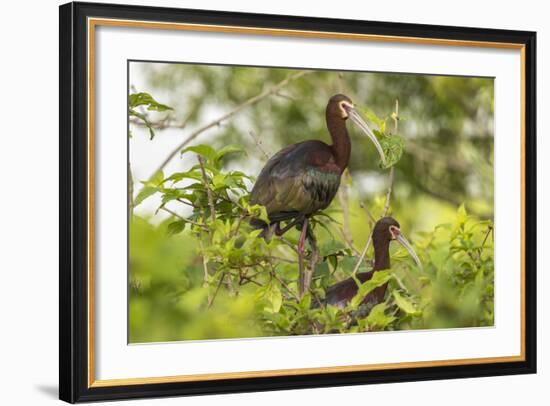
(210, 274)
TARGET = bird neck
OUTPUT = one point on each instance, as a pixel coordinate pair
(341, 143)
(381, 255)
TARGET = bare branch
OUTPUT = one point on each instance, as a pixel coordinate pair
(371, 217)
(388, 197)
(343, 198)
(362, 256)
(348, 243)
(258, 143)
(219, 120)
(388, 193)
(391, 174)
(206, 276)
(314, 258)
(212, 298)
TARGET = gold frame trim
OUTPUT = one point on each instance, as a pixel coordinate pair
(94, 22)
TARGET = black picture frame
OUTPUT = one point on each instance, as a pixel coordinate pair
(73, 256)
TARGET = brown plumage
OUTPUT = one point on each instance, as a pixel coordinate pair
(303, 178)
(385, 231)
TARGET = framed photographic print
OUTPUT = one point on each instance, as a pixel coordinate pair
(257, 202)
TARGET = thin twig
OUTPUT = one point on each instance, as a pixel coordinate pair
(206, 275)
(288, 244)
(284, 284)
(208, 190)
(179, 199)
(314, 258)
(285, 96)
(388, 197)
(343, 197)
(219, 120)
(248, 279)
(211, 299)
(480, 250)
(371, 217)
(348, 243)
(259, 145)
(184, 219)
(391, 174)
(166, 122)
(238, 226)
(388, 193)
(362, 256)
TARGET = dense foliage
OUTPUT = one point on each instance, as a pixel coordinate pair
(198, 270)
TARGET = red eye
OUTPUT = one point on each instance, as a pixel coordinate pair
(394, 231)
(346, 106)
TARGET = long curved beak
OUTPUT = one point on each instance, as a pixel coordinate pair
(357, 119)
(405, 243)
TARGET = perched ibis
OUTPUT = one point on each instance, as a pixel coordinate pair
(385, 231)
(303, 178)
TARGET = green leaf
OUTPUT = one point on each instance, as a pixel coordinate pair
(228, 149)
(348, 263)
(258, 211)
(205, 151)
(404, 304)
(144, 193)
(157, 178)
(177, 176)
(378, 279)
(218, 181)
(393, 146)
(274, 299)
(333, 259)
(331, 247)
(175, 228)
(377, 318)
(373, 118)
(145, 99)
(461, 214)
(149, 188)
(143, 118)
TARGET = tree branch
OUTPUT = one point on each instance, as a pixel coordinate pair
(283, 284)
(218, 121)
(388, 193)
(212, 298)
(388, 197)
(184, 219)
(343, 197)
(259, 145)
(166, 122)
(391, 174)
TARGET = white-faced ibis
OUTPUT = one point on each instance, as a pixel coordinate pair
(385, 230)
(303, 178)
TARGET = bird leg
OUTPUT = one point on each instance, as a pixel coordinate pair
(280, 231)
(301, 248)
(313, 259)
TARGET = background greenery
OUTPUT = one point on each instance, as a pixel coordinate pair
(197, 270)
